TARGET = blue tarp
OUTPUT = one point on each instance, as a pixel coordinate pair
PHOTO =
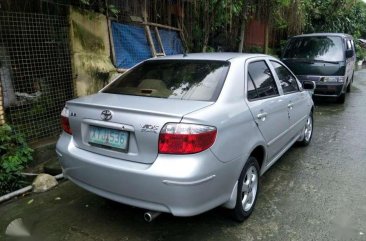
(131, 46)
(171, 42)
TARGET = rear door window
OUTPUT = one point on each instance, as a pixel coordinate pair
(252, 92)
(287, 80)
(260, 82)
(173, 79)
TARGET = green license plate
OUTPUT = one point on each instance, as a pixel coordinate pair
(109, 138)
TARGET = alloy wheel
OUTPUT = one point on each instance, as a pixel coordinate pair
(249, 189)
(308, 128)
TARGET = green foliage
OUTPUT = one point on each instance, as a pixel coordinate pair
(15, 155)
(340, 16)
(211, 19)
(113, 9)
(85, 2)
(360, 52)
(100, 6)
(255, 49)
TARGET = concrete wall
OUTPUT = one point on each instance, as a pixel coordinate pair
(92, 66)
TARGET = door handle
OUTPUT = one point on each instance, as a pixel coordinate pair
(290, 106)
(262, 116)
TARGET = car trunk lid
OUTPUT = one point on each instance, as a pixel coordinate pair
(134, 119)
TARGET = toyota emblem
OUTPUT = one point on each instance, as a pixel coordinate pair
(106, 115)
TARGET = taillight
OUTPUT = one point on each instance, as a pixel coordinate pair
(65, 121)
(179, 138)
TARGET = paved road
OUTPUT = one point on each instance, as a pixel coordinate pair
(313, 193)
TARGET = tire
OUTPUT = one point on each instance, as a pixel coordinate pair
(350, 84)
(342, 98)
(349, 87)
(249, 192)
(308, 131)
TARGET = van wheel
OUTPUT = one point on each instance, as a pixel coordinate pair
(308, 131)
(342, 98)
(349, 85)
(248, 188)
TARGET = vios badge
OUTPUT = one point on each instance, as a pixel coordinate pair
(106, 115)
(149, 128)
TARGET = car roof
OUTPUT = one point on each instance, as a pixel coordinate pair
(220, 56)
(343, 35)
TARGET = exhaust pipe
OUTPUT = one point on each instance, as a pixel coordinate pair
(149, 216)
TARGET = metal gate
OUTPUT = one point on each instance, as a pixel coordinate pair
(35, 71)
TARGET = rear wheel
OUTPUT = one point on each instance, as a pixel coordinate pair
(248, 188)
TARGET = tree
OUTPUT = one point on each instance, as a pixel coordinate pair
(335, 16)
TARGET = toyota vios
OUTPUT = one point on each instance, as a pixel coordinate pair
(187, 133)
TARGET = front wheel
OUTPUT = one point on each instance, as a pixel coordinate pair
(307, 131)
(342, 98)
(349, 87)
(248, 188)
(350, 84)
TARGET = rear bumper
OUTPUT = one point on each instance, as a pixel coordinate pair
(183, 185)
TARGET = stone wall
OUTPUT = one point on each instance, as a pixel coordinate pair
(92, 66)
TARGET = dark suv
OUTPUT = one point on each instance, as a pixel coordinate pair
(326, 58)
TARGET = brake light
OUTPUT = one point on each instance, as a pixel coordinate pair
(179, 138)
(65, 121)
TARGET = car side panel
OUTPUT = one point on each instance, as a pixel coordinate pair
(298, 106)
(237, 132)
(274, 126)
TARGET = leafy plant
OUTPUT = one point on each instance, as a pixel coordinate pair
(113, 9)
(15, 155)
(100, 6)
(255, 49)
(360, 52)
(335, 16)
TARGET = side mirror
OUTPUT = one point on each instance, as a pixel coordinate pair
(308, 85)
(349, 53)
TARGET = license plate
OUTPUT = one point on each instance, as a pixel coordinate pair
(109, 138)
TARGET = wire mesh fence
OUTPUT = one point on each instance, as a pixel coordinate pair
(35, 71)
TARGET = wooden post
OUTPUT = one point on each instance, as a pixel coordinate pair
(242, 28)
(266, 39)
(162, 53)
(182, 36)
(147, 31)
(111, 43)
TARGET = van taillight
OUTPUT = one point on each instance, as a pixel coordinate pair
(65, 124)
(180, 138)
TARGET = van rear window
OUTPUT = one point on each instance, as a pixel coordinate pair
(175, 79)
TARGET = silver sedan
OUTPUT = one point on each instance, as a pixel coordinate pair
(187, 133)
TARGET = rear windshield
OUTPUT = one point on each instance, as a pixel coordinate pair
(173, 79)
(315, 48)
